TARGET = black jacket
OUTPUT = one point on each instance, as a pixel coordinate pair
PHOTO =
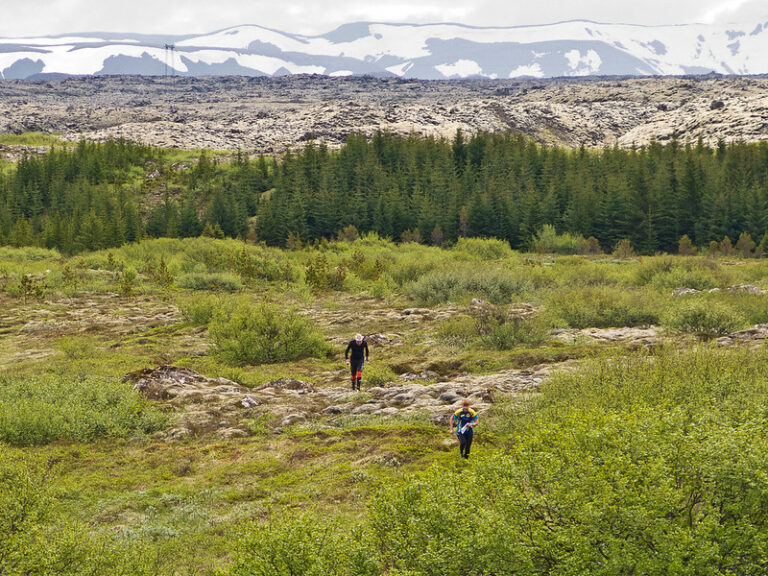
(358, 350)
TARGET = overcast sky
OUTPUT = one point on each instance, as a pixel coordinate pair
(43, 17)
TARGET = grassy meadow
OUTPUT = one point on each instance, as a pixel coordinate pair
(632, 460)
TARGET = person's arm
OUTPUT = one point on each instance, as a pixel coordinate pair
(473, 422)
(365, 346)
(452, 423)
(346, 352)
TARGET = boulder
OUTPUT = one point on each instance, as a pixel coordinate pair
(746, 288)
(335, 410)
(366, 408)
(292, 419)
(414, 376)
(449, 398)
(249, 402)
(229, 433)
(377, 339)
(290, 385)
(390, 411)
(400, 400)
(685, 291)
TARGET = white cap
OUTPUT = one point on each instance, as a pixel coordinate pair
(358, 337)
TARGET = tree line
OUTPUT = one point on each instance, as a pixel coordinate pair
(406, 188)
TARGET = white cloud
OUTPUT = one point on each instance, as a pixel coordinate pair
(735, 11)
(387, 12)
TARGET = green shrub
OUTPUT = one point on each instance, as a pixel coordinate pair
(698, 279)
(383, 286)
(28, 544)
(623, 249)
(753, 308)
(211, 281)
(484, 248)
(644, 465)
(548, 241)
(126, 280)
(199, 310)
(638, 493)
(35, 541)
(75, 348)
(602, 307)
(452, 285)
(27, 254)
(515, 331)
(576, 271)
(377, 375)
(264, 334)
(318, 275)
(41, 410)
(408, 271)
(458, 331)
(730, 380)
(649, 465)
(667, 273)
(703, 318)
(493, 330)
(302, 545)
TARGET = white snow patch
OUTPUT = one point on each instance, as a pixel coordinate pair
(83, 61)
(533, 70)
(589, 63)
(460, 68)
(266, 64)
(341, 73)
(400, 69)
(573, 57)
(705, 46)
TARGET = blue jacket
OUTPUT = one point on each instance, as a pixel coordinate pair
(463, 417)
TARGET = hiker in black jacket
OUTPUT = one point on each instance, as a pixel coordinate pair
(359, 354)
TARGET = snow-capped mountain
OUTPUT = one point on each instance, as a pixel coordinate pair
(432, 51)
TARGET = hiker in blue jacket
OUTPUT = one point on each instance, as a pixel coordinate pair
(462, 423)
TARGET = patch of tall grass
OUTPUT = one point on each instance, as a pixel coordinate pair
(732, 381)
(44, 409)
(455, 284)
(494, 332)
(210, 281)
(603, 307)
(666, 273)
(30, 139)
(199, 310)
(703, 317)
(483, 249)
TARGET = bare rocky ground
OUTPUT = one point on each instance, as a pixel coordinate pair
(217, 405)
(273, 114)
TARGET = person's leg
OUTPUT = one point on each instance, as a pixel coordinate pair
(468, 442)
(359, 374)
(353, 372)
(462, 443)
